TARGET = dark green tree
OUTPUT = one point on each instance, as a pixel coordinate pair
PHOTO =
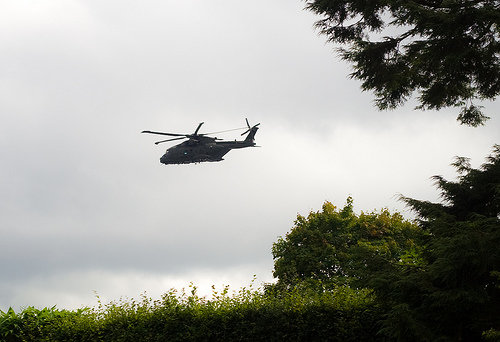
(454, 294)
(445, 50)
(337, 247)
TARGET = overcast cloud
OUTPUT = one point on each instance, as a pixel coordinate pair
(85, 204)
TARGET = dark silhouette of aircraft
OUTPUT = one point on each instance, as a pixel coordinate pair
(202, 148)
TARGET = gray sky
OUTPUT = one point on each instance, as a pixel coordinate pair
(85, 204)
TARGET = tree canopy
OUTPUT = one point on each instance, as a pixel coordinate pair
(446, 51)
(338, 247)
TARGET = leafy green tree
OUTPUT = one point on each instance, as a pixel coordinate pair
(447, 51)
(454, 294)
(337, 247)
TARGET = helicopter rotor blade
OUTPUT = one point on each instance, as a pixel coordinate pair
(162, 133)
(227, 130)
(198, 128)
(162, 141)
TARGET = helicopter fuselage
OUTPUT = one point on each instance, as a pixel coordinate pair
(197, 152)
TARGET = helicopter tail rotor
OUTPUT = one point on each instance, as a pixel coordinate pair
(249, 127)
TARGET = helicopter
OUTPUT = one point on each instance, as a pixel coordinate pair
(202, 148)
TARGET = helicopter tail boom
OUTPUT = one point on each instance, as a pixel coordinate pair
(251, 135)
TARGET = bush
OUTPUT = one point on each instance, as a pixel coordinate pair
(247, 315)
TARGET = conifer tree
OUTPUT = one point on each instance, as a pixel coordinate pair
(446, 51)
(455, 293)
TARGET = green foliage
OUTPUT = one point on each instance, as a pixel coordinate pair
(447, 51)
(248, 315)
(35, 325)
(9, 324)
(455, 295)
(491, 335)
(337, 247)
